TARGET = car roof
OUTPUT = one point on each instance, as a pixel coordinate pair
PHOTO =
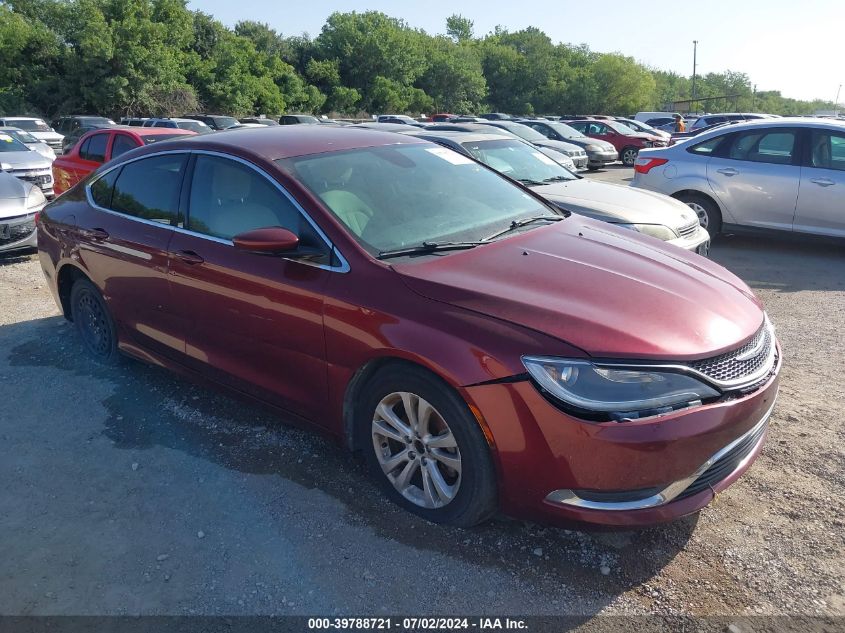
(21, 118)
(464, 137)
(288, 141)
(788, 122)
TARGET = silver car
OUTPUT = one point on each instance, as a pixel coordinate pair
(26, 164)
(644, 212)
(786, 174)
(19, 202)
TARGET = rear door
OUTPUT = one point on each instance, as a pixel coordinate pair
(124, 239)
(821, 198)
(92, 153)
(756, 175)
(122, 143)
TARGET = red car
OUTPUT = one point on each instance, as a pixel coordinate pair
(485, 350)
(100, 146)
(627, 142)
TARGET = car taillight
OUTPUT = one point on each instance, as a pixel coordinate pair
(645, 165)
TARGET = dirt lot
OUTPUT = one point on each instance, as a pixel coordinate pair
(132, 491)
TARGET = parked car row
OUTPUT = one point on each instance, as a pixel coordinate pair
(434, 305)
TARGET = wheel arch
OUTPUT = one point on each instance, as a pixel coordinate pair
(65, 278)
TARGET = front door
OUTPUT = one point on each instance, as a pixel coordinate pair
(252, 321)
(821, 199)
(756, 177)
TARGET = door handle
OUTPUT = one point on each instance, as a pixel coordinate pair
(96, 234)
(822, 182)
(189, 257)
(728, 171)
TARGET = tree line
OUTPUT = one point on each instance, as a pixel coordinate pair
(157, 57)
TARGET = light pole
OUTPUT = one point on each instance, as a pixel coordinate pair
(836, 102)
(694, 52)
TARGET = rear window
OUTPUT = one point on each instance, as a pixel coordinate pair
(30, 125)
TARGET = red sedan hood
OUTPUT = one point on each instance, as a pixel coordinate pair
(611, 292)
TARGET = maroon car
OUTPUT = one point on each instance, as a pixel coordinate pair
(627, 142)
(484, 349)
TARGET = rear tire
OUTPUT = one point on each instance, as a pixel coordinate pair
(93, 322)
(628, 156)
(435, 461)
(708, 213)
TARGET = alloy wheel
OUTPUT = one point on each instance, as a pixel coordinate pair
(416, 450)
(629, 156)
(701, 212)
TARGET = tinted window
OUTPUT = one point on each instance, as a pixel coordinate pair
(228, 198)
(135, 195)
(827, 150)
(101, 189)
(122, 144)
(94, 148)
(764, 146)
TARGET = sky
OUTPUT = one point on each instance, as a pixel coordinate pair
(786, 45)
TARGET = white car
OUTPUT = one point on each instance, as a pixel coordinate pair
(19, 203)
(183, 124)
(783, 174)
(37, 128)
(30, 141)
(25, 164)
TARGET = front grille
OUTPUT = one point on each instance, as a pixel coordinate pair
(725, 465)
(690, 230)
(55, 144)
(10, 233)
(732, 369)
(29, 176)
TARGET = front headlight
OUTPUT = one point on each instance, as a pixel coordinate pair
(615, 392)
(5, 167)
(659, 231)
(35, 199)
(593, 148)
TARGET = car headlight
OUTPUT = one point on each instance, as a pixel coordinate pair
(593, 148)
(35, 199)
(5, 167)
(659, 231)
(609, 392)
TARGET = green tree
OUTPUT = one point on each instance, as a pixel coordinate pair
(459, 28)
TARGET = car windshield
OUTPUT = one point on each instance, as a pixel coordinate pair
(565, 130)
(32, 125)
(225, 121)
(96, 121)
(402, 196)
(619, 127)
(522, 131)
(23, 137)
(194, 126)
(9, 144)
(518, 161)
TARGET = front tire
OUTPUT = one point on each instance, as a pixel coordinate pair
(425, 448)
(708, 213)
(93, 322)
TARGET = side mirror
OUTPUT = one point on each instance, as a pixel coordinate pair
(267, 241)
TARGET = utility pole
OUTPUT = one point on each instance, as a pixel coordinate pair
(694, 52)
(754, 98)
(836, 102)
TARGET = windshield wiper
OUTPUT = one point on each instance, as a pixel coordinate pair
(529, 182)
(516, 224)
(558, 179)
(428, 247)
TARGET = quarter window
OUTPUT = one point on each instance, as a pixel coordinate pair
(122, 144)
(827, 150)
(772, 146)
(102, 188)
(94, 148)
(228, 198)
(707, 147)
(149, 188)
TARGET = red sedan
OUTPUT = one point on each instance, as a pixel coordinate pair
(485, 350)
(627, 142)
(100, 146)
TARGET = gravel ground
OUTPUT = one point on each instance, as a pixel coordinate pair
(131, 491)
